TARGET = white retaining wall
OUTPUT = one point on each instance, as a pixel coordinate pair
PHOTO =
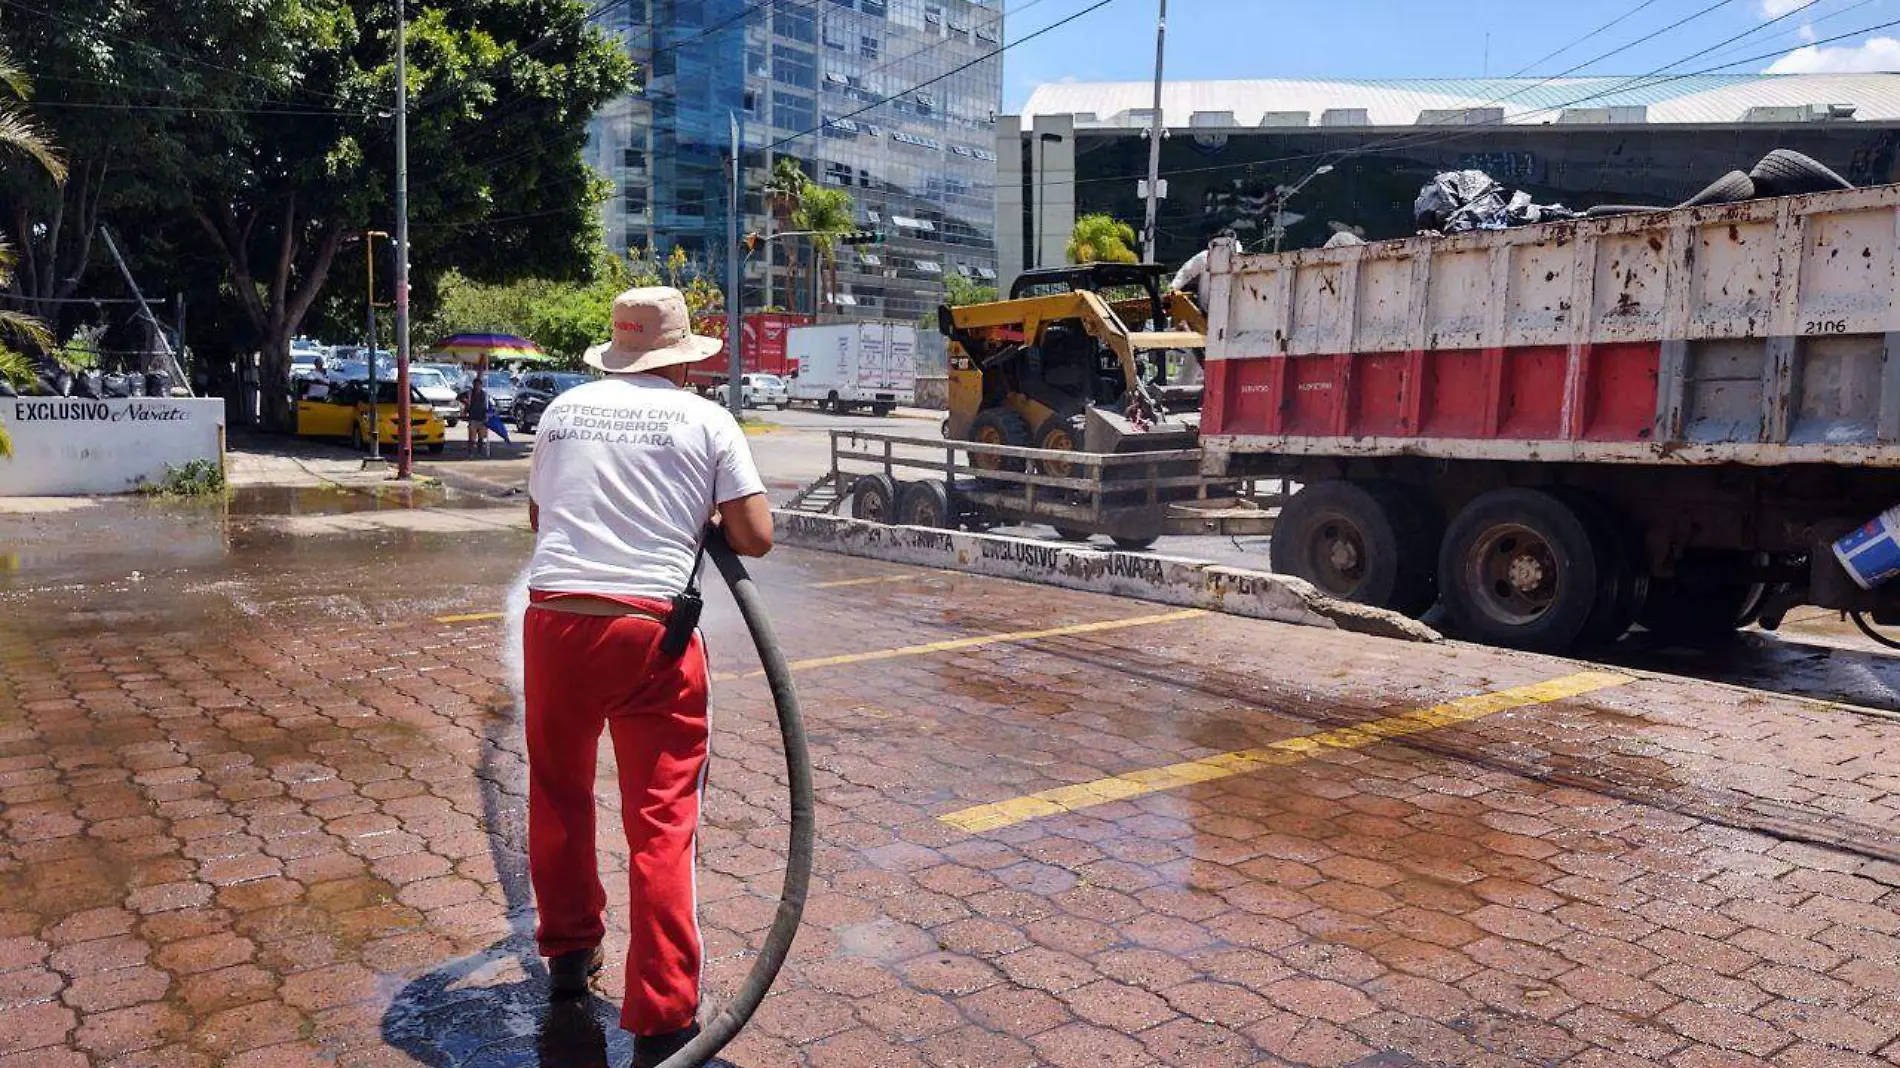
(1141, 576)
(68, 446)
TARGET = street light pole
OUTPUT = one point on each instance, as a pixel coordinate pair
(405, 452)
(735, 278)
(1283, 193)
(1155, 131)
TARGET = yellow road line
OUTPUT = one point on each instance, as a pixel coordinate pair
(976, 642)
(840, 583)
(472, 617)
(1277, 754)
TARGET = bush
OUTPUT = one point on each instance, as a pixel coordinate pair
(198, 478)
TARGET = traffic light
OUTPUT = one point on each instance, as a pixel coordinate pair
(751, 242)
(862, 237)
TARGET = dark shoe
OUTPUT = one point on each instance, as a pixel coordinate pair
(569, 972)
(651, 1051)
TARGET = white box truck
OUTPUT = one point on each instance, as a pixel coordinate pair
(842, 366)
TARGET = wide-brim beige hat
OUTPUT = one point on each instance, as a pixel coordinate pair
(651, 330)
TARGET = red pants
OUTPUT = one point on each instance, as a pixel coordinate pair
(584, 673)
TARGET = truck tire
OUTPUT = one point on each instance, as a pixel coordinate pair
(925, 504)
(1731, 187)
(1519, 569)
(1701, 612)
(1622, 579)
(832, 404)
(873, 499)
(999, 426)
(1361, 541)
(1786, 173)
(1060, 434)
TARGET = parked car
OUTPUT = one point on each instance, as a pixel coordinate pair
(456, 374)
(763, 390)
(501, 391)
(439, 390)
(345, 413)
(537, 390)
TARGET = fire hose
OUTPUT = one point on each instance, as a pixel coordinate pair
(791, 906)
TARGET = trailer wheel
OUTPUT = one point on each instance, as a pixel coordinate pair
(873, 499)
(1622, 582)
(1518, 569)
(1701, 612)
(1133, 545)
(998, 426)
(1361, 541)
(1786, 173)
(1072, 534)
(925, 504)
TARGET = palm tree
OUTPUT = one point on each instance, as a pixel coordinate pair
(1101, 239)
(20, 136)
(784, 191)
(827, 212)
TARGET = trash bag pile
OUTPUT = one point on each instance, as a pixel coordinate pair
(1458, 201)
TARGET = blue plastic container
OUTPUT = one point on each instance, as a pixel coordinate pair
(1871, 554)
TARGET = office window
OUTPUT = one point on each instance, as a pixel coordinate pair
(794, 22)
(633, 158)
(868, 47)
(794, 66)
(793, 112)
(756, 65)
(880, 8)
(691, 201)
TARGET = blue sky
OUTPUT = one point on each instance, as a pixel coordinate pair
(1398, 38)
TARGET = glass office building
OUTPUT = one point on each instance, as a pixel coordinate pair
(839, 86)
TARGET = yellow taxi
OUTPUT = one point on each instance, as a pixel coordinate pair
(342, 410)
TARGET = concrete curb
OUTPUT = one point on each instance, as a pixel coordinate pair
(1141, 576)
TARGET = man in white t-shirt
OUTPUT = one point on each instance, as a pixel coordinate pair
(627, 473)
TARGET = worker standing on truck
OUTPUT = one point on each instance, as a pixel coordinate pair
(627, 473)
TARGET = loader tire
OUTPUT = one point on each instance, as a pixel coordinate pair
(1059, 434)
(1787, 173)
(999, 426)
(1728, 189)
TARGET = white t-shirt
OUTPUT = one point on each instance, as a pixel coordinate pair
(627, 471)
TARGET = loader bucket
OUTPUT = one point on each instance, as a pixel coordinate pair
(1112, 433)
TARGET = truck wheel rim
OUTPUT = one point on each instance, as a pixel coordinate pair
(1513, 575)
(1338, 555)
(874, 508)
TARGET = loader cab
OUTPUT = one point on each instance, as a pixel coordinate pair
(1138, 288)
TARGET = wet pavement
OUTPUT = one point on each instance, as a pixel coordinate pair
(261, 805)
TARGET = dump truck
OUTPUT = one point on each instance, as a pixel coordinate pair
(1026, 372)
(1560, 430)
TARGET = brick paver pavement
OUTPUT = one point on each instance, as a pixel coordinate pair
(259, 835)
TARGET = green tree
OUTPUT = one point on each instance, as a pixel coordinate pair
(958, 290)
(1101, 239)
(22, 139)
(245, 141)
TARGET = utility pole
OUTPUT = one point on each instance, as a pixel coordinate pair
(1155, 130)
(405, 451)
(735, 279)
(145, 311)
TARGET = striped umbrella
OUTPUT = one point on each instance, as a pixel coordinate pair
(497, 348)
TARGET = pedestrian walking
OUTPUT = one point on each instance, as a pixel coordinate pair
(477, 409)
(626, 475)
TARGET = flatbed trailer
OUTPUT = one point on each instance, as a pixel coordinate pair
(1133, 498)
(1557, 430)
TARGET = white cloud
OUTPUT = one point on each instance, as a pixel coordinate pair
(1774, 9)
(1806, 33)
(1873, 54)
